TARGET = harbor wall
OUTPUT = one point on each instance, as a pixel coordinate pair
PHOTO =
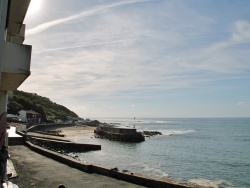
(63, 146)
(51, 126)
(119, 130)
(135, 137)
(135, 178)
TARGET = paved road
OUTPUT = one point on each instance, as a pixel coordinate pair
(36, 171)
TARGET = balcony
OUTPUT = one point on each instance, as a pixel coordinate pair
(16, 65)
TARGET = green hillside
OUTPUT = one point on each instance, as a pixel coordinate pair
(31, 101)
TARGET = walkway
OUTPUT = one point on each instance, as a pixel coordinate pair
(37, 171)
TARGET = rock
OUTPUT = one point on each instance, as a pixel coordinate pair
(114, 169)
(151, 133)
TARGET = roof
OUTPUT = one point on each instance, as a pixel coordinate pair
(30, 112)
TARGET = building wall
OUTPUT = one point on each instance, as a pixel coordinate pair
(14, 56)
(23, 115)
(3, 17)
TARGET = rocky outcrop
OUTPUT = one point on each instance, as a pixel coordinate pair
(151, 133)
(94, 123)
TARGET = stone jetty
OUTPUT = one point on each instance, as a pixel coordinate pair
(119, 134)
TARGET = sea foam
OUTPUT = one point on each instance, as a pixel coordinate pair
(209, 183)
(175, 132)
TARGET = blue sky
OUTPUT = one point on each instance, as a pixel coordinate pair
(143, 58)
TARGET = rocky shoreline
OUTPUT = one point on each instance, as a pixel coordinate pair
(151, 133)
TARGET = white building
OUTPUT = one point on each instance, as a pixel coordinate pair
(14, 55)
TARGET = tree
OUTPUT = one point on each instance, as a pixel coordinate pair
(14, 107)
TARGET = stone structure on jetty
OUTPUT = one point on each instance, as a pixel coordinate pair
(119, 134)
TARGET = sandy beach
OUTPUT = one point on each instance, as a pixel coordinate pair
(77, 130)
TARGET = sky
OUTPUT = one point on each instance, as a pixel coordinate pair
(141, 58)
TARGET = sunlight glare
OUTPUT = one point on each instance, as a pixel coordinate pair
(34, 6)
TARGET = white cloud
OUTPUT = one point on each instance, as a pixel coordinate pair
(85, 45)
(47, 25)
(241, 31)
(242, 104)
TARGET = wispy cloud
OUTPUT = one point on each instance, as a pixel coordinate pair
(242, 31)
(47, 25)
(85, 45)
(242, 104)
(141, 52)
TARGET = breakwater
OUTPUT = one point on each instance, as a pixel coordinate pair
(118, 134)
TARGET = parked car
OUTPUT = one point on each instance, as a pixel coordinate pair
(14, 120)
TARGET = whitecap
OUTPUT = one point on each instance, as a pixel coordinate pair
(163, 122)
(209, 183)
(154, 171)
(175, 132)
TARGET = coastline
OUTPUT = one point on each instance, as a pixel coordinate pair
(183, 130)
(87, 132)
(114, 173)
(71, 132)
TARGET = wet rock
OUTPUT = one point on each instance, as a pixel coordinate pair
(151, 133)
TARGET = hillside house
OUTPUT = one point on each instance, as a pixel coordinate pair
(30, 116)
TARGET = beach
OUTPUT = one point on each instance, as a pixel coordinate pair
(78, 130)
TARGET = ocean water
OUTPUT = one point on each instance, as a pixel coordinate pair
(212, 152)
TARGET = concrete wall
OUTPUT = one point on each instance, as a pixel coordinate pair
(117, 130)
(63, 146)
(13, 141)
(135, 178)
(21, 128)
(49, 127)
(135, 137)
(17, 58)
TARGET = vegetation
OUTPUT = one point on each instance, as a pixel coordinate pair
(31, 101)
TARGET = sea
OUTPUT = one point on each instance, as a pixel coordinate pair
(211, 152)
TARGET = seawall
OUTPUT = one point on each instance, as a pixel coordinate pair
(51, 126)
(114, 173)
(63, 146)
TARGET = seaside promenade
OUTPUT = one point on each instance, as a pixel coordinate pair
(37, 171)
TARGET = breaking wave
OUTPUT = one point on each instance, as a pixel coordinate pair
(176, 132)
(154, 172)
(209, 183)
